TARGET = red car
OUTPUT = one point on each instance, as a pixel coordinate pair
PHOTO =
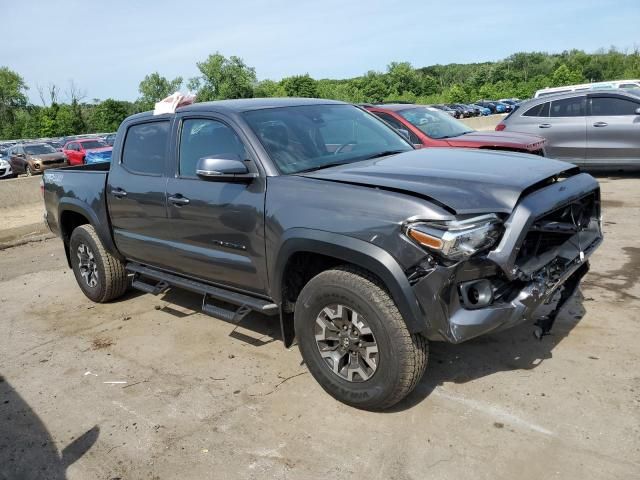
(75, 150)
(430, 127)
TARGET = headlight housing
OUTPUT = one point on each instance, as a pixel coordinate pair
(459, 239)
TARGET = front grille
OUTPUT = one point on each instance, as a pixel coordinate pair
(555, 228)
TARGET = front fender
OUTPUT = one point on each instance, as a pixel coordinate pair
(354, 251)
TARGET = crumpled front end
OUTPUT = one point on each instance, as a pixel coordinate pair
(540, 259)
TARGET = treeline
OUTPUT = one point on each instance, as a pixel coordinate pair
(520, 75)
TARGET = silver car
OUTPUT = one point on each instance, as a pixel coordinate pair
(596, 129)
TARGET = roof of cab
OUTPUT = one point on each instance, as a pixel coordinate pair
(245, 104)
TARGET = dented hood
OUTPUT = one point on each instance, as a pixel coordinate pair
(463, 180)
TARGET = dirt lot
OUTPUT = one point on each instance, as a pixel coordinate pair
(206, 399)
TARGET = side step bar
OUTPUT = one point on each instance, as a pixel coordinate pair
(246, 303)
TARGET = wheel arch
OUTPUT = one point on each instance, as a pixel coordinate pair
(71, 214)
(340, 249)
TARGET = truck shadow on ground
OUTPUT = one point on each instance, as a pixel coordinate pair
(512, 349)
(27, 450)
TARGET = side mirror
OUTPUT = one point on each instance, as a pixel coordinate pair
(404, 132)
(225, 169)
(637, 111)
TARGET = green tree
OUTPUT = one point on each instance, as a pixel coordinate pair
(300, 86)
(402, 78)
(456, 94)
(269, 88)
(373, 87)
(108, 115)
(222, 78)
(12, 98)
(154, 88)
(563, 76)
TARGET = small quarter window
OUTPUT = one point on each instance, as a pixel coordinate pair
(541, 110)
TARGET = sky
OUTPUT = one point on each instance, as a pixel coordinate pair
(107, 47)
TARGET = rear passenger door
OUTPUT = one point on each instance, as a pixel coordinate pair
(565, 129)
(217, 226)
(136, 191)
(613, 131)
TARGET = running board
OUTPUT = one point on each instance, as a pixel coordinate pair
(165, 280)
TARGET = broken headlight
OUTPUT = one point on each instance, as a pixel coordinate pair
(458, 239)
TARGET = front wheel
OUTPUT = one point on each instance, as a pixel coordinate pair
(101, 276)
(354, 340)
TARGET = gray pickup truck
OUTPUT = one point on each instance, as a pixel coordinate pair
(319, 212)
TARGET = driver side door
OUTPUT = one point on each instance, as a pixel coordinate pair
(216, 226)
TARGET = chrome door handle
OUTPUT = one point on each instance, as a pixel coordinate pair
(600, 124)
(544, 125)
(179, 200)
(118, 193)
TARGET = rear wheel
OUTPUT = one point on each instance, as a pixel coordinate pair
(101, 276)
(354, 340)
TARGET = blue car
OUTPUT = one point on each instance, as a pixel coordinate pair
(99, 155)
(500, 107)
(484, 111)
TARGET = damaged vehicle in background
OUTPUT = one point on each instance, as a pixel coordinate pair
(318, 212)
(429, 127)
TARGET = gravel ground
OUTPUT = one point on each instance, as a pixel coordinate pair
(147, 387)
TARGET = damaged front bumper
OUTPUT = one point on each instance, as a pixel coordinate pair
(510, 284)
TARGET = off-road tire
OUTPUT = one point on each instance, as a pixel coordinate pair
(402, 356)
(111, 274)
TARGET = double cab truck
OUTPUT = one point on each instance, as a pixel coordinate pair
(320, 213)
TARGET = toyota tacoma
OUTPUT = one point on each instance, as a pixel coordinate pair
(318, 212)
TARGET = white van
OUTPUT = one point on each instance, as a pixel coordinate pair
(588, 86)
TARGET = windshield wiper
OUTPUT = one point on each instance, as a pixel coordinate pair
(320, 167)
(386, 153)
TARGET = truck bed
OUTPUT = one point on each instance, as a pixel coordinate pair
(79, 186)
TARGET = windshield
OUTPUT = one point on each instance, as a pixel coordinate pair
(435, 123)
(311, 137)
(39, 149)
(93, 144)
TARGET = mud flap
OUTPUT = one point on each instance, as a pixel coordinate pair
(286, 328)
(545, 324)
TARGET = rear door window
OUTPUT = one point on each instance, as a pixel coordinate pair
(145, 148)
(608, 106)
(568, 107)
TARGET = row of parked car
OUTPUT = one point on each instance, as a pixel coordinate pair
(31, 157)
(595, 129)
(479, 108)
(598, 128)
